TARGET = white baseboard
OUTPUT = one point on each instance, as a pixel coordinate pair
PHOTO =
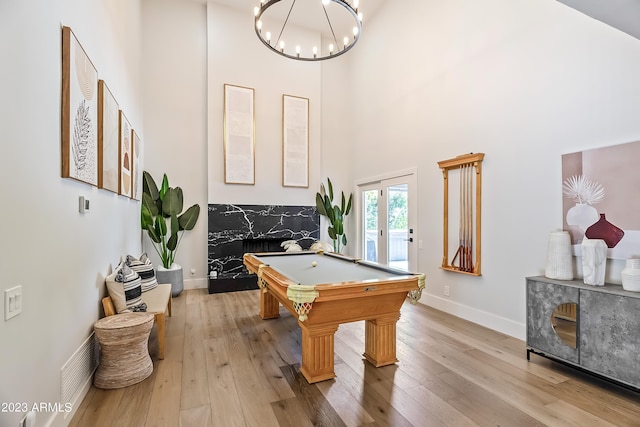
(483, 318)
(202, 283)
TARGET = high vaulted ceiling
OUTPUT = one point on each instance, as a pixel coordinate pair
(621, 14)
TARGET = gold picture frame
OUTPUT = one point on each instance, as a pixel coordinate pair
(239, 135)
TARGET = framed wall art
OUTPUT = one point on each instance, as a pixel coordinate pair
(125, 167)
(295, 141)
(137, 166)
(601, 198)
(239, 135)
(108, 140)
(79, 112)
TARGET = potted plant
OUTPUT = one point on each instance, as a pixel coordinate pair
(334, 213)
(162, 217)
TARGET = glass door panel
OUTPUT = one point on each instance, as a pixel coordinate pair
(398, 226)
(370, 225)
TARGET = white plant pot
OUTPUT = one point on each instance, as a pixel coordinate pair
(171, 275)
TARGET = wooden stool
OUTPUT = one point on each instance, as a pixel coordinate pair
(124, 339)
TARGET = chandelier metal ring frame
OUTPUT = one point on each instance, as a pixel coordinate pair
(357, 30)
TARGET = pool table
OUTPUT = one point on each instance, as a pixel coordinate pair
(324, 290)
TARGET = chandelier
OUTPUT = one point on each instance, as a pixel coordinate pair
(338, 23)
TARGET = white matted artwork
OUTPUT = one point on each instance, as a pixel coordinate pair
(125, 165)
(601, 198)
(137, 165)
(79, 112)
(108, 140)
(295, 141)
(239, 135)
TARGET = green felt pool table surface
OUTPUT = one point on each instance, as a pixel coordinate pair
(297, 266)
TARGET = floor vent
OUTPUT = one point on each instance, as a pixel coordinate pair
(79, 368)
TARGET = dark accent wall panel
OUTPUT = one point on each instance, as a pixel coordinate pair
(230, 225)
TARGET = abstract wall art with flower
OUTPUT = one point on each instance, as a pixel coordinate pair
(79, 112)
(591, 212)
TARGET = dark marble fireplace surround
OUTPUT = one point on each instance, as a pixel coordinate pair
(236, 229)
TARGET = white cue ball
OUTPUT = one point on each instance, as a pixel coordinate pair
(313, 264)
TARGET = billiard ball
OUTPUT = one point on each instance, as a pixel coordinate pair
(313, 264)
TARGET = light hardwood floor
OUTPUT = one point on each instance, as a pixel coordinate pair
(225, 366)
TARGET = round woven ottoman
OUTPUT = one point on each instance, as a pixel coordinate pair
(124, 339)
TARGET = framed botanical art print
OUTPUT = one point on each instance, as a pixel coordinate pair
(108, 139)
(79, 112)
(125, 166)
(239, 135)
(295, 141)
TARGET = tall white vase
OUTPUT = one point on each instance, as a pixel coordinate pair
(559, 258)
(594, 261)
(631, 275)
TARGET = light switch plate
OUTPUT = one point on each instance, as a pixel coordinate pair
(12, 302)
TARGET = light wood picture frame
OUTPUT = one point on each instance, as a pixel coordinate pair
(125, 166)
(295, 141)
(108, 139)
(239, 135)
(79, 135)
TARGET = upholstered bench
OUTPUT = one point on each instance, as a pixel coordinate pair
(158, 301)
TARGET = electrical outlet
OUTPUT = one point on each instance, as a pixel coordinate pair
(193, 272)
(446, 291)
(12, 302)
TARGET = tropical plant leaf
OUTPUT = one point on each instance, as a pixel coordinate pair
(342, 203)
(161, 226)
(320, 205)
(149, 186)
(330, 190)
(152, 233)
(189, 218)
(173, 242)
(171, 204)
(349, 204)
(164, 186)
(344, 239)
(175, 226)
(332, 233)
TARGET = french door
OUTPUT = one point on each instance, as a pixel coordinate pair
(387, 223)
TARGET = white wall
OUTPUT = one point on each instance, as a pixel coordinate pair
(522, 81)
(59, 256)
(175, 91)
(237, 57)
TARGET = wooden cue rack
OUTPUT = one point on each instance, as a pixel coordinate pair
(467, 258)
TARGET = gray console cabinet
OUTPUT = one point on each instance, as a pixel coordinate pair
(607, 327)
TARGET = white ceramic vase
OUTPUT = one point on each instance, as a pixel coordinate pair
(559, 258)
(594, 261)
(582, 215)
(631, 275)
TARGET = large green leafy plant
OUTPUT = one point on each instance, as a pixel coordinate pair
(334, 213)
(162, 217)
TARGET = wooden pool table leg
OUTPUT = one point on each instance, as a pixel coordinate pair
(269, 306)
(380, 340)
(317, 352)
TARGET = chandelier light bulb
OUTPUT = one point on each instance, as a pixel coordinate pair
(356, 3)
(298, 50)
(325, 2)
(256, 10)
(331, 49)
(346, 42)
(355, 32)
(268, 37)
(281, 45)
(259, 24)
(360, 16)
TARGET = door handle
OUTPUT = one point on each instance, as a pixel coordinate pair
(410, 239)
